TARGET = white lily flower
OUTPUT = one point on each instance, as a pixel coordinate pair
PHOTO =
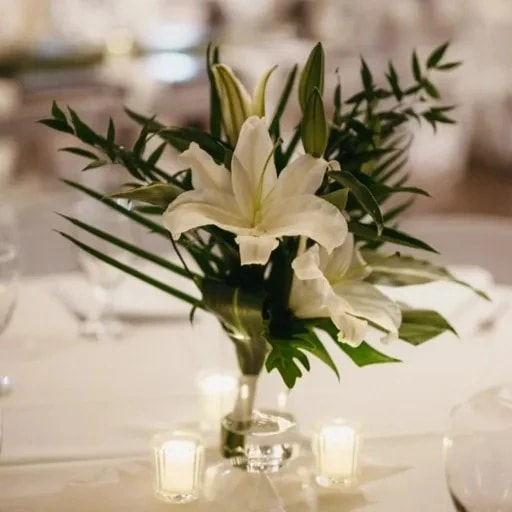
(332, 286)
(252, 201)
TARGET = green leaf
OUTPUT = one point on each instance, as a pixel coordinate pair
(312, 76)
(82, 130)
(338, 198)
(448, 65)
(181, 138)
(435, 57)
(57, 124)
(363, 355)
(57, 113)
(421, 325)
(366, 77)
(241, 313)
(133, 249)
(289, 349)
(392, 78)
(152, 124)
(212, 58)
(404, 270)
(392, 213)
(158, 194)
(95, 164)
(111, 132)
(283, 101)
(133, 272)
(369, 232)
(259, 95)
(416, 68)
(140, 219)
(362, 194)
(156, 155)
(338, 104)
(430, 89)
(80, 152)
(314, 129)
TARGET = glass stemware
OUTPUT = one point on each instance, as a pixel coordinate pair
(101, 321)
(478, 452)
(8, 289)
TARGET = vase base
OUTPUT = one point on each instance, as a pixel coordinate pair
(263, 444)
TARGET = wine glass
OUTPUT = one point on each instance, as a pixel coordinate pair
(101, 322)
(478, 452)
(8, 288)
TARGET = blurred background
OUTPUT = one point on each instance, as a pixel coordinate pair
(101, 55)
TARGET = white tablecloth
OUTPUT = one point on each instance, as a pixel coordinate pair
(84, 411)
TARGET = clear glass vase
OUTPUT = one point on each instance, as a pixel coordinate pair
(263, 469)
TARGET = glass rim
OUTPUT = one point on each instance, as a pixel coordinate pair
(8, 253)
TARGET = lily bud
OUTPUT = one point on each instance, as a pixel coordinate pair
(314, 130)
(312, 76)
(236, 103)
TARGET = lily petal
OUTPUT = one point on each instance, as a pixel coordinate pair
(366, 301)
(255, 250)
(206, 174)
(305, 215)
(303, 176)
(197, 208)
(307, 265)
(340, 260)
(253, 172)
(307, 299)
(351, 330)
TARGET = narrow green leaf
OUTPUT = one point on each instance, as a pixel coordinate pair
(392, 213)
(393, 80)
(430, 89)
(152, 125)
(421, 325)
(366, 77)
(283, 101)
(82, 130)
(57, 113)
(312, 76)
(57, 124)
(448, 66)
(111, 132)
(80, 152)
(259, 95)
(156, 155)
(369, 232)
(416, 68)
(133, 272)
(362, 194)
(314, 129)
(212, 58)
(133, 249)
(95, 164)
(140, 219)
(435, 57)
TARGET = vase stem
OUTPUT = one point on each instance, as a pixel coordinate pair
(246, 396)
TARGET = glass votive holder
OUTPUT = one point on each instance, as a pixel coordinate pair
(217, 394)
(178, 466)
(335, 446)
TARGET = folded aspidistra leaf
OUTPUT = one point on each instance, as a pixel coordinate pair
(421, 325)
(157, 194)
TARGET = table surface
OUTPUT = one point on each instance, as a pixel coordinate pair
(76, 429)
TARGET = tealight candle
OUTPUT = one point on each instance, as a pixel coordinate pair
(217, 394)
(336, 449)
(178, 466)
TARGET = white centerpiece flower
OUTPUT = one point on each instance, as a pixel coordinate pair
(333, 286)
(252, 201)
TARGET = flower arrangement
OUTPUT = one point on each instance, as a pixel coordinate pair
(288, 237)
